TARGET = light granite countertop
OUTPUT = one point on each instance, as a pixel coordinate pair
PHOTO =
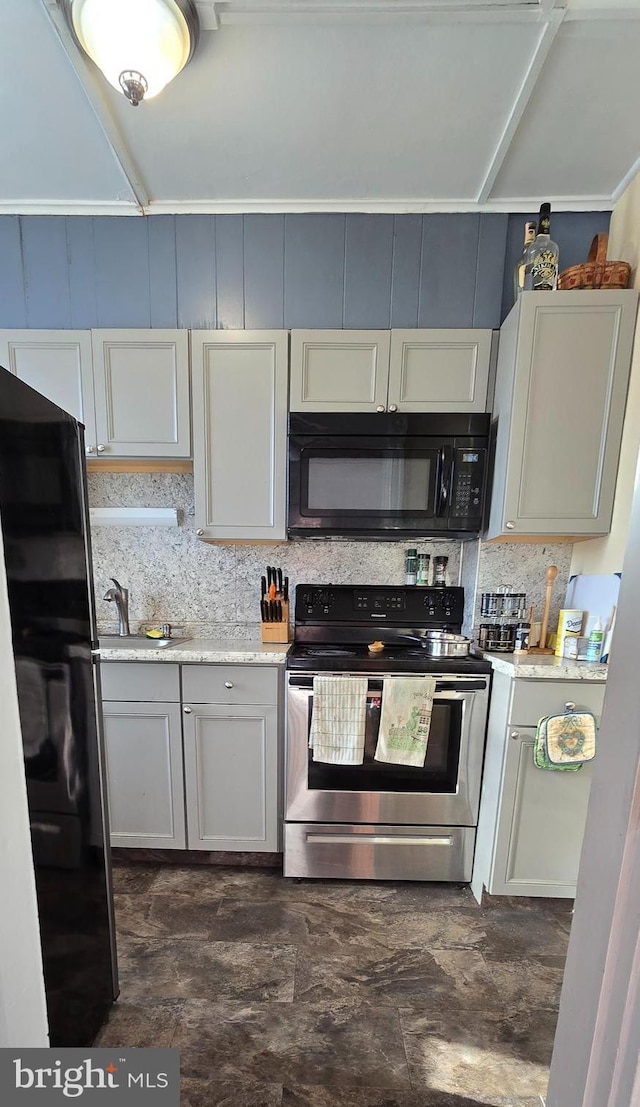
(203, 650)
(531, 666)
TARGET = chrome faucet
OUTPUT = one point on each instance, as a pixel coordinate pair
(120, 596)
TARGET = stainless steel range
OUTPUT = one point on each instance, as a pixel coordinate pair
(376, 820)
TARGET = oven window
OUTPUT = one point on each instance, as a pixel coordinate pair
(440, 770)
(368, 481)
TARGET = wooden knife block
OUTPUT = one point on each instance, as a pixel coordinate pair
(277, 632)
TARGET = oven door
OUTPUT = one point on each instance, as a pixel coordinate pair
(445, 792)
(343, 484)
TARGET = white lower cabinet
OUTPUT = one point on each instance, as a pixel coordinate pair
(537, 851)
(198, 774)
(231, 771)
(531, 821)
(143, 754)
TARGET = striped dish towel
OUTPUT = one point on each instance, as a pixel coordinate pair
(338, 720)
(405, 722)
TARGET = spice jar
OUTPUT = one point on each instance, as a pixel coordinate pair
(411, 566)
(423, 568)
(440, 571)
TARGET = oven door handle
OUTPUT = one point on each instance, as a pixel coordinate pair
(375, 685)
(445, 473)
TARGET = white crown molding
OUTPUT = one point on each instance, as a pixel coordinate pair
(389, 207)
(524, 205)
(70, 207)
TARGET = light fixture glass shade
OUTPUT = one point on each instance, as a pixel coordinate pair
(151, 38)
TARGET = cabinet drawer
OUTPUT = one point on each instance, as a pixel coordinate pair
(532, 699)
(229, 684)
(134, 680)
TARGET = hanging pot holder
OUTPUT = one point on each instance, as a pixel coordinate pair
(565, 742)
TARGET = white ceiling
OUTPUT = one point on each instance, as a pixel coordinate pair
(320, 105)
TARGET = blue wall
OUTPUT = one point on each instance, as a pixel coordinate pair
(269, 271)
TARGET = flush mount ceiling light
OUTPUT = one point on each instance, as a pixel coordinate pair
(140, 45)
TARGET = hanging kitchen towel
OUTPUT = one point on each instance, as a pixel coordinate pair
(405, 720)
(338, 720)
(564, 742)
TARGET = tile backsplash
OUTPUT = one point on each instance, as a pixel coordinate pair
(212, 591)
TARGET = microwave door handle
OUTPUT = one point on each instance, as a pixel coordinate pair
(445, 475)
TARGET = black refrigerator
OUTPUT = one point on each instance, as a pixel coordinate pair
(44, 518)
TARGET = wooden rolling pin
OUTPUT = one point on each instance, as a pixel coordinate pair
(551, 575)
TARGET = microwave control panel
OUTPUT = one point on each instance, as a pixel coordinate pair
(468, 483)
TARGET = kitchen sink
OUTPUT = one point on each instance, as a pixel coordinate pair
(138, 641)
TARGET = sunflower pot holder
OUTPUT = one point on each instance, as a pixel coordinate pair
(564, 742)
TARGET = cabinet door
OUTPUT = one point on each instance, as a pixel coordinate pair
(339, 370)
(439, 370)
(231, 768)
(240, 433)
(556, 469)
(58, 365)
(143, 753)
(142, 393)
(541, 820)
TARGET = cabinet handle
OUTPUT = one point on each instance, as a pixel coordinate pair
(228, 684)
(187, 710)
(89, 450)
(380, 407)
(101, 448)
(570, 706)
(509, 525)
(515, 735)
(199, 532)
(393, 407)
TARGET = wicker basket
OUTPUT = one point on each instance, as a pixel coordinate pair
(596, 272)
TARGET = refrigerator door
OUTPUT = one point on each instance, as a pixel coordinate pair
(44, 518)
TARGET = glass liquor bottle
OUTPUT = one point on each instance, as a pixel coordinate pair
(541, 264)
(519, 271)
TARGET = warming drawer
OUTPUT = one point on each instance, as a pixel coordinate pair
(334, 850)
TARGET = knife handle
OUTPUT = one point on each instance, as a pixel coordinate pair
(285, 589)
(263, 611)
(268, 577)
(279, 571)
(263, 584)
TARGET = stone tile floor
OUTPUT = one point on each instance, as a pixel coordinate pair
(337, 994)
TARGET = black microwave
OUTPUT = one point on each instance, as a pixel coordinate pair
(385, 476)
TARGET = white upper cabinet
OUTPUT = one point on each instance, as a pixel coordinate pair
(142, 392)
(439, 370)
(57, 364)
(240, 433)
(561, 388)
(130, 388)
(339, 370)
(399, 370)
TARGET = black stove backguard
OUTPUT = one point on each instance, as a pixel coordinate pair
(348, 613)
(335, 623)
